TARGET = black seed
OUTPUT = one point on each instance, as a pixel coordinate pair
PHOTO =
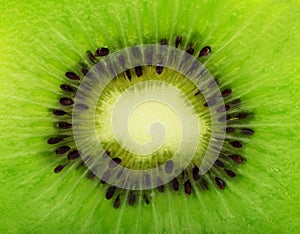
(160, 188)
(247, 131)
(204, 51)
(196, 173)
(59, 112)
(117, 160)
(236, 158)
(91, 57)
(66, 101)
(198, 92)
(146, 199)
(236, 144)
(110, 192)
(220, 183)
(73, 155)
(67, 88)
(190, 51)
(121, 61)
(62, 149)
(224, 108)
(84, 70)
(219, 163)
(117, 202)
(64, 125)
(243, 115)
(178, 41)
(101, 52)
(226, 92)
(187, 187)
(203, 184)
(169, 167)
(163, 41)
(114, 162)
(138, 71)
(211, 102)
(128, 74)
(132, 198)
(81, 106)
(230, 129)
(159, 69)
(234, 102)
(90, 175)
(59, 168)
(72, 76)
(54, 140)
(230, 173)
(183, 174)
(175, 184)
(106, 153)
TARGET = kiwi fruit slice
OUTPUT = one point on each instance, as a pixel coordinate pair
(255, 53)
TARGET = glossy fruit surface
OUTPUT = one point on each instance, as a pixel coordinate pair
(255, 50)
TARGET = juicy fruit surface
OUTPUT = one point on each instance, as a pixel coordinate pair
(255, 52)
(142, 120)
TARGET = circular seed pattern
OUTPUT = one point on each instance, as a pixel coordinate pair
(190, 178)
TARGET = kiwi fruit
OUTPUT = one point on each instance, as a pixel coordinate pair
(254, 53)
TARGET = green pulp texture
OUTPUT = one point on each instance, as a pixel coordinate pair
(255, 51)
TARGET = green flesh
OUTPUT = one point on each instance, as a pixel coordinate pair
(255, 52)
